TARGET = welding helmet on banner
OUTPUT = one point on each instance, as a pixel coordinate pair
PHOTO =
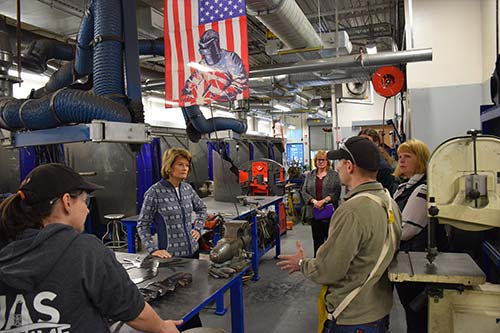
(210, 47)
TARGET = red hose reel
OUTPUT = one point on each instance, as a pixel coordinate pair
(388, 81)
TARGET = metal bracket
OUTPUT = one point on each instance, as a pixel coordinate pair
(96, 131)
(435, 293)
(107, 131)
(6, 138)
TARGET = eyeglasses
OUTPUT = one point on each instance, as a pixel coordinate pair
(86, 200)
(344, 147)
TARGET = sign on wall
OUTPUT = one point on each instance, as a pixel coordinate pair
(295, 153)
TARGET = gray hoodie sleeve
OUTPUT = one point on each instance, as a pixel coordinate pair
(108, 285)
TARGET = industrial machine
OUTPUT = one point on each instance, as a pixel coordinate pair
(230, 253)
(463, 192)
(264, 177)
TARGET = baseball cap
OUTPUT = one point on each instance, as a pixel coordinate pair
(49, 181)
(360, 151)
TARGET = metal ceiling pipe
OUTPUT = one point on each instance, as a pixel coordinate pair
(356, 60)
(287, 21)
(6, 56)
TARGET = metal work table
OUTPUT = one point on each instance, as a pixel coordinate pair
(449, 268)
(232, 212)
(186, 302)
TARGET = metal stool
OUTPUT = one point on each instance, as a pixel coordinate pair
(114, 222)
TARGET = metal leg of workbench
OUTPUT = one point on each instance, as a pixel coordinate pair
(255, 249)
(220, 310)
(278, 238)
(237, 317)
(131, 231)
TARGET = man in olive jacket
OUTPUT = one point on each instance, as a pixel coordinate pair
(355, 239)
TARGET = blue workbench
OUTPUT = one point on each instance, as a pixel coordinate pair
(230, 211)
(185, 303)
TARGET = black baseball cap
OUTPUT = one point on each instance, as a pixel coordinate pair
(361, 151)
(49, 181)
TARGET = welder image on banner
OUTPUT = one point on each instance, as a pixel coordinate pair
(220, 76)
(206, 52)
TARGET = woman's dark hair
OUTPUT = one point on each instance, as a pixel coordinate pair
(372, 134)
(16, 216)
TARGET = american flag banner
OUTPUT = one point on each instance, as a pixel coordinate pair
(206, 51)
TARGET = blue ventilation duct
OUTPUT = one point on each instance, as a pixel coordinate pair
(68, 106)
(152, 47)
(197, 124)
(58, 106)
(40, 51)
(83, 57)
(108, 56)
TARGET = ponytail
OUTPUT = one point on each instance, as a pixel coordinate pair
(16, 216)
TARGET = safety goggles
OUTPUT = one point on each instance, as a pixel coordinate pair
(344, 148)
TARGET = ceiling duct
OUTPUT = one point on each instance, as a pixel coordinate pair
(150, 21)
(287, 21)
(349, 61)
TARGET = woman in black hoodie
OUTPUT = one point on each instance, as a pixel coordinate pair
(52, 277)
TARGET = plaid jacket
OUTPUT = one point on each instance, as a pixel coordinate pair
(171, 216)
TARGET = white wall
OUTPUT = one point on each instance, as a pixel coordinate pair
(453, 29)
(30, 81)
(444, 95)
(488, 34)
(349, 112)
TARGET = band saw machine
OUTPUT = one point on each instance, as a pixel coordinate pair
(463, 192)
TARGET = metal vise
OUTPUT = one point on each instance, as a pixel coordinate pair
(236, 239)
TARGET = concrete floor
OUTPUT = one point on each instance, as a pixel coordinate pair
(280, 302)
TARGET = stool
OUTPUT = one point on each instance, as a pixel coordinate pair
(113, 227)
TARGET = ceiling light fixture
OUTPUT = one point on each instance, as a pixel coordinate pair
(282, 108)
(371, 48)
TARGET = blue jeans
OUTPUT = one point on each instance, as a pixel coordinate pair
(378, 326)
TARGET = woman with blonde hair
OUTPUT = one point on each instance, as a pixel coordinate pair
(321, 187)
(168, 205)
(411, 197)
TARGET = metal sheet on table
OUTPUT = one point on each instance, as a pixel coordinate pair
(183, 300)
(453, 268)
(137, 274)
